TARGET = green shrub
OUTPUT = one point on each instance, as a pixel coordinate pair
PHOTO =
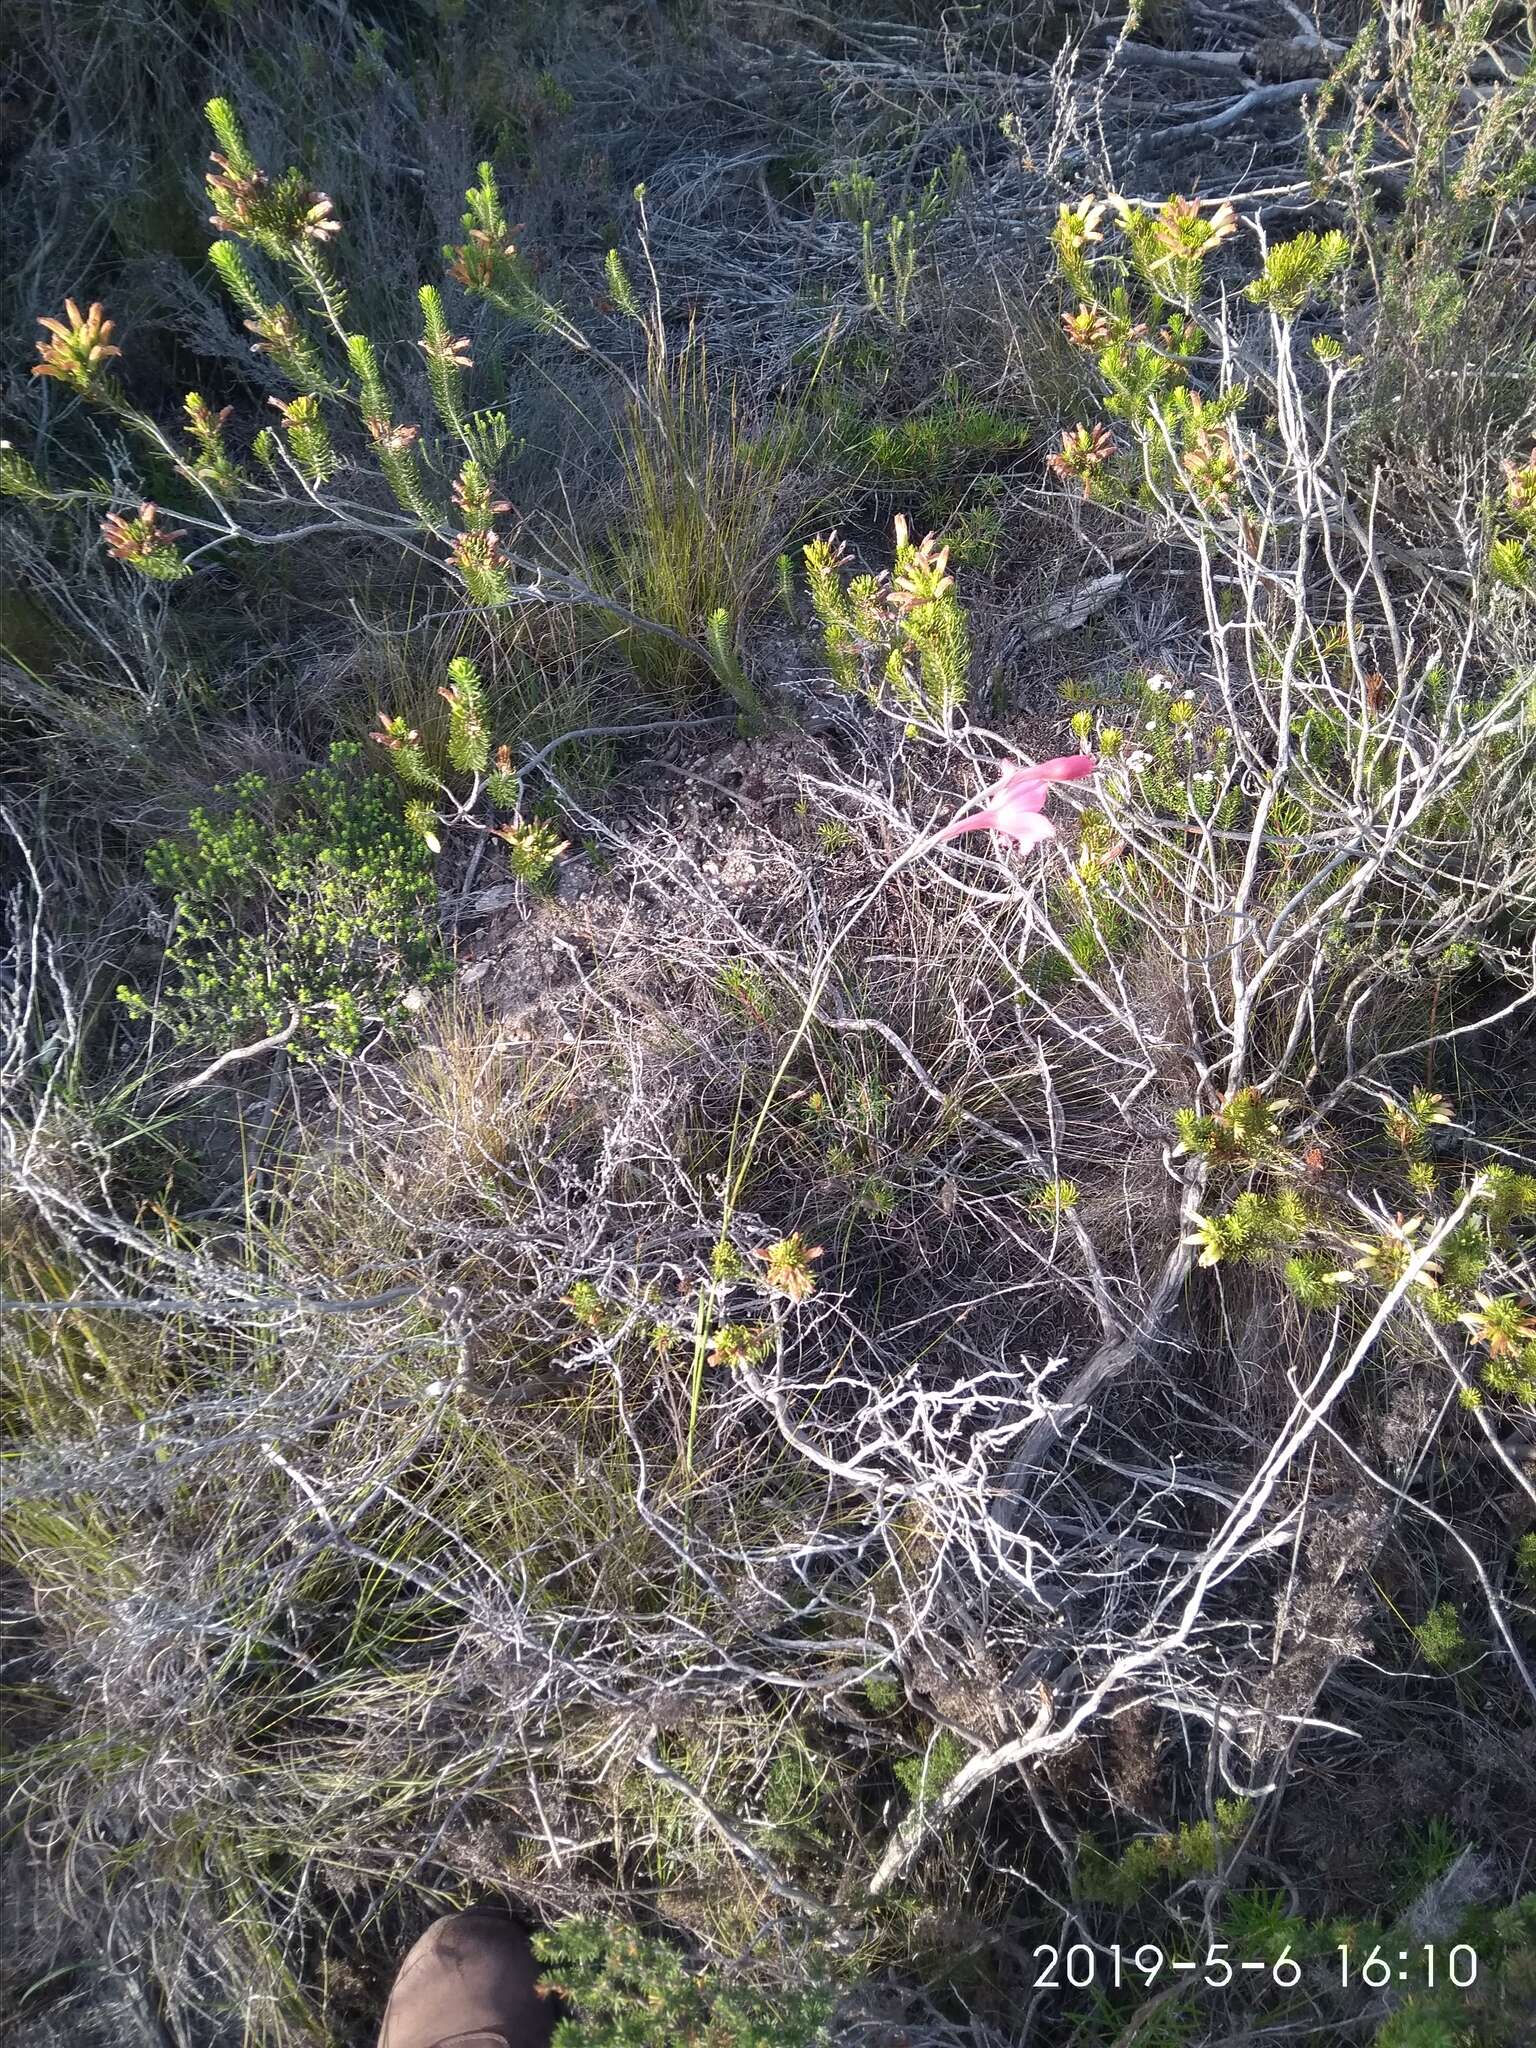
(1427, 1854)
(1498, 2009)
(686, 553)
(1256, 1229)
(713, 1415)
(888, 256)
(1447, 258)
(1194, 1850)
(1295, 270)
(903, 635)
(926, 1776)
(954, 429)
(1247, 1127)
(456, 782)
(1262, 1923)
(625, 1990)
(307, 910)
(1441, 1638)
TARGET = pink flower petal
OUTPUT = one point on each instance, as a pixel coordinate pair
(1020, 784)
(1026, 791)
(1065, 768)
(978, 821)
(1014, 822)
(1012, 806)
(1026, 828)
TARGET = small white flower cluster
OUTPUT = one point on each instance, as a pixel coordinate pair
(1159, 684)
(1138, 761)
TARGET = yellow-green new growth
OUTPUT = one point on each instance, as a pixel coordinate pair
(277, 331)
(469, 739)
(726, 662)
(1256, 1229)
(139, 540)
(308, 437)
(620, 290)
(447, 358)
(1296, 270)
(212, 463)
(488, 263)
(1248, 1126)
(1079, 227)
(284, 217)
(394, 444)
(904, 633)
(19, 477)
(533, 847)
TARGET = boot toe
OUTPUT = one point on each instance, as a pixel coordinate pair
(471, 1981)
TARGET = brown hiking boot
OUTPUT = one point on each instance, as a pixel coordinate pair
(470, 1982)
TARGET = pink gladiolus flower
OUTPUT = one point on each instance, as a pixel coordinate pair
(1015, 805)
